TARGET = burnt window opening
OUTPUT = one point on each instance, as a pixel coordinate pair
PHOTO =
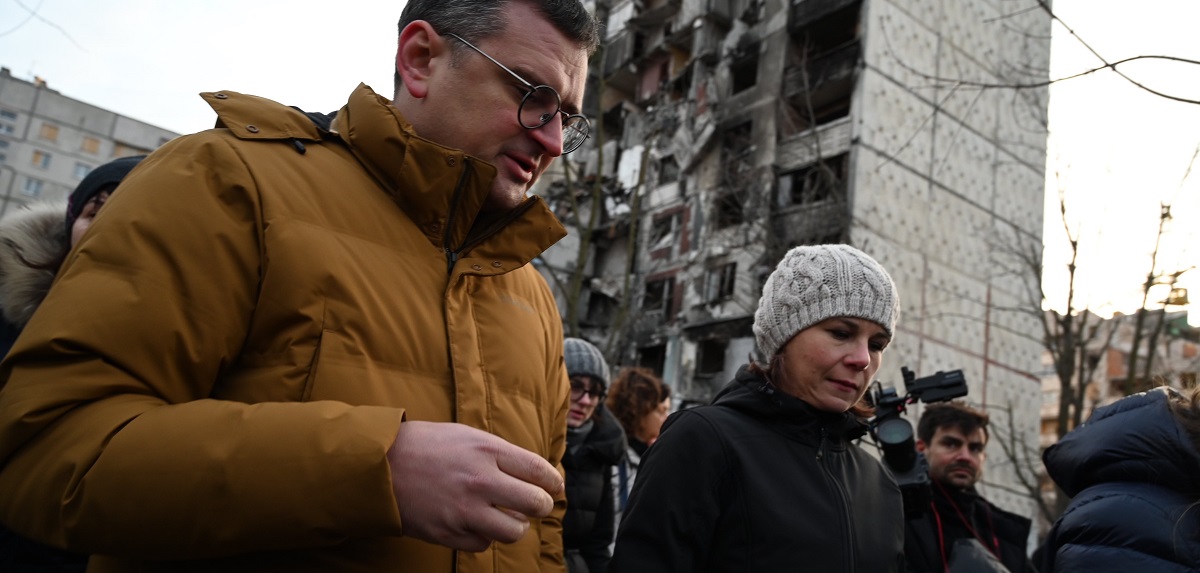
(719, 282)
(830, 32)
(668, 170)
(818, 182)
(659, 295)
(614, 123)
(737, 148)
(663, 232)
(822, 67)
(653, 357)
(744, 68)
(710, 359)
(681, 85)
(728, 210)
(601, 308)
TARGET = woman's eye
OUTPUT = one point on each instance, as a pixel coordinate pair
(839, 334)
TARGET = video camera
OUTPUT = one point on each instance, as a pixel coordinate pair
(894, 434)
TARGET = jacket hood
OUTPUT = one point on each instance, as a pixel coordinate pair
(38, 236)
(754, 395)
(1133, 440)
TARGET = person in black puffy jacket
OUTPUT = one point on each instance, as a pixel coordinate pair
(767, 477)
(595, 443)
(1133, 471)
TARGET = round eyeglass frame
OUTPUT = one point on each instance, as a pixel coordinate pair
(576, 128)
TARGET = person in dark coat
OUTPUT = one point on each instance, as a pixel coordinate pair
(960, 526)
(640, 401)
(33, 245)
(768, 477)
(35, 241)
(1133, 472)
(595, 443)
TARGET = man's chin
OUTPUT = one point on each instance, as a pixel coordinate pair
(504, 196)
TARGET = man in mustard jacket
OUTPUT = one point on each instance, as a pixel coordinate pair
(292, 345)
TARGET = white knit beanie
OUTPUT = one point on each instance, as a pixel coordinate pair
(818, 282)
(584, 359)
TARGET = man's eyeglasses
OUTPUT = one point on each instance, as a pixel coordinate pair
(579, 388)
(540, 105)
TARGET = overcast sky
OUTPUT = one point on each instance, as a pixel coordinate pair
(1118, 151)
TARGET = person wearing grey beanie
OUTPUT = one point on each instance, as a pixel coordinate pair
(768, 477)
(595, 443)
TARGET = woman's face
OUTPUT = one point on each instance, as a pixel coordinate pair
(651, 423)
(829, 364)
(84, 221)
(586, 394)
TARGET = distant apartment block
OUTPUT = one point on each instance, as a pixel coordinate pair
(49, 142)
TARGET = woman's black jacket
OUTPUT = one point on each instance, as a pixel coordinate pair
(588, 523)
(760, 481)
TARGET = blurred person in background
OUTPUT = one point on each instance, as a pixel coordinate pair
(595, 444)
(1133, 474)
(641, 401)
(768, 477)
(34, 242)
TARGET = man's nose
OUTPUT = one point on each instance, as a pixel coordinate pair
(550, 136)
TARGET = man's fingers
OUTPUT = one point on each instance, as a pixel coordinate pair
(526, 499)
(528, 467)
(500, 524)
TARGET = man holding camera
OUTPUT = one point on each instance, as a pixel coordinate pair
(961, 526)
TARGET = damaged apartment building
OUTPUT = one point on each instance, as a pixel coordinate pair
(725, 132)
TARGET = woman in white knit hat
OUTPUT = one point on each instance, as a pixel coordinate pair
(768, 477)
(595, 443)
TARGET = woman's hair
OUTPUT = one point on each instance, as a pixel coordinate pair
(634, 394)
(1186, 408)
(774, 371)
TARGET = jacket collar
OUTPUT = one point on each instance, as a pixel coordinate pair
(795, 418)
(441, 189)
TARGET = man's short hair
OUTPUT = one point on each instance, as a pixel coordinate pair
(475, 20)
(951, 415)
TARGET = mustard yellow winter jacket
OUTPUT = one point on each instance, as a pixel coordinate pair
(215, 377)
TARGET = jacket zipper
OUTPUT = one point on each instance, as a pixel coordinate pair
(451, 254)
(848, 530)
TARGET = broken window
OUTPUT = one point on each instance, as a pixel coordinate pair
(653, 357)
(663, 232)
(728, 211)
(710, 357)
(668, 170)
(719, 282)
(744, 68)
(820, 181)
(737, 149)
(659, 295)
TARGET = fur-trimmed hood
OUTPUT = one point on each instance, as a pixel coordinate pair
(36, 234)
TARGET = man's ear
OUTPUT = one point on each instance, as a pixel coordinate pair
(415, 51)
(920, 445)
